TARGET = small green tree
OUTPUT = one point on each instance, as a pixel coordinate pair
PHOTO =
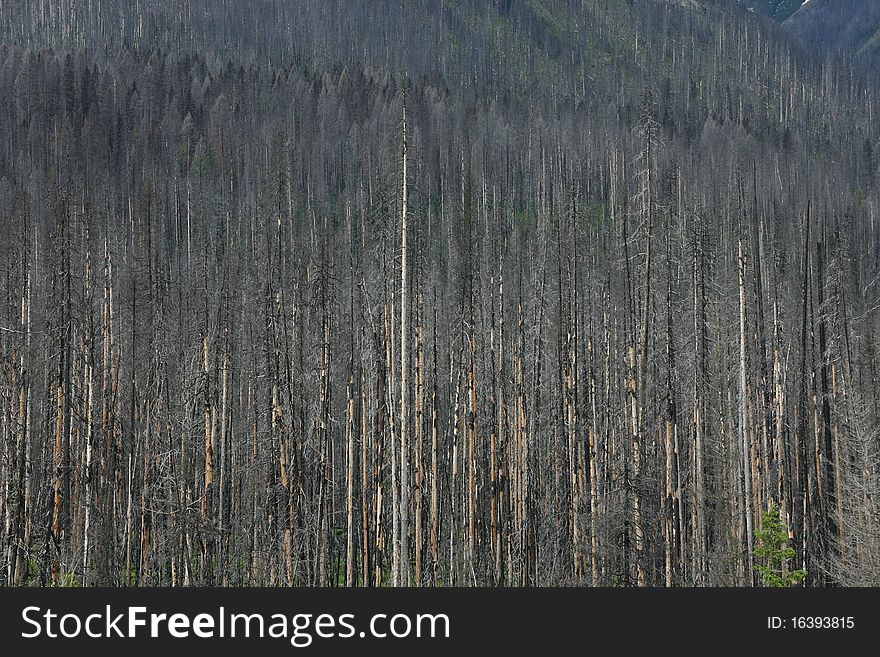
(770, 546)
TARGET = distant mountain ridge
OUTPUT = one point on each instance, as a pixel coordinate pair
(839, 25)
(777, 9)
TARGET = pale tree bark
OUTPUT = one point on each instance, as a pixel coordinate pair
(402, 576)
(743, 432)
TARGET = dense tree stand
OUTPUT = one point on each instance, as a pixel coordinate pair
(417, 315)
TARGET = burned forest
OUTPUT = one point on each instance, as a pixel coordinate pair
(433, 293)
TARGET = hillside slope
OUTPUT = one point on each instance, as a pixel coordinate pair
(840, 25)
(642, 304)
(776, 9)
